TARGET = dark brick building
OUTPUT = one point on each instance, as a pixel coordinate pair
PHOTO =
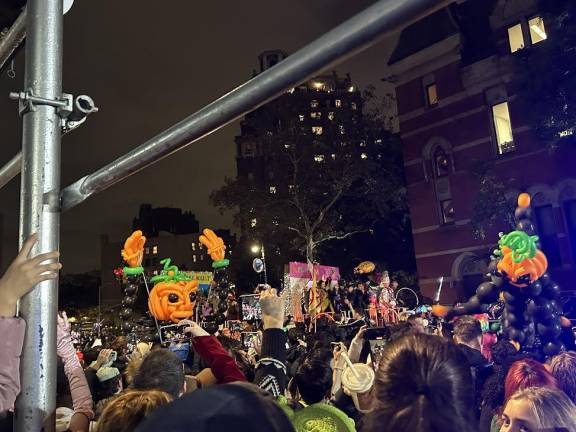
(458, 103)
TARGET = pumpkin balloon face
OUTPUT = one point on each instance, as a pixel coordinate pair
(173, 300)
(525, 272)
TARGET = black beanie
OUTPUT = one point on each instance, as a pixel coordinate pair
(220, 408)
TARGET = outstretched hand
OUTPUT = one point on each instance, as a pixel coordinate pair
(192, 328)
(272, 306)
(24, 273)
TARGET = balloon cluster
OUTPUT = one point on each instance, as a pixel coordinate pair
(132, 254)
(517, 275)
(220, 289)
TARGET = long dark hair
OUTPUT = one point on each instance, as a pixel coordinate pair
(423, 383)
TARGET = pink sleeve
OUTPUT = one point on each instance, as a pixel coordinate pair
(81, 396)
(12, 331)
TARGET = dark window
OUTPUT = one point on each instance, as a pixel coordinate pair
(447, 209)
(441, 163)
(547, 233)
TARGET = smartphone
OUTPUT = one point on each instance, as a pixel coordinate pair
(249, 339)
(378, 337)
(251, 307)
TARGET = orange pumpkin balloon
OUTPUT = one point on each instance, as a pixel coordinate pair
(534, 268)
(173, 301)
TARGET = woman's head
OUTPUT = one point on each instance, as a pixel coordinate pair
(527, 373)
(563, 368)
(423, 383)
(539, 408)
(127, 411)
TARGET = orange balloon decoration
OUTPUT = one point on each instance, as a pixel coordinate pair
(173, 300)
(364, 267)
(133, 251)
(524, 200)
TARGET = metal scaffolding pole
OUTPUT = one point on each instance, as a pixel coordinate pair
(10, 170)
(40, 212)
(349, 38)
(12, 39)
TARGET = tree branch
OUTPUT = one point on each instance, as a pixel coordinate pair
(340, 237)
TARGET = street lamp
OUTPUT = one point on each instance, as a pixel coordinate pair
(260, 248)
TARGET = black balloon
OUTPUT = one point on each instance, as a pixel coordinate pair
(551, 348)
(125, 313)
(523, 213)
(526, 225)
(493, 266)
(551, 291)
(128, 301)
(130, 289)
(545, 279)
(487, 292)
(534, 289)
(497, 281)
(549, 332)
(544, 308)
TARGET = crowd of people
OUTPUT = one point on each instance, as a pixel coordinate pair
(445, 377)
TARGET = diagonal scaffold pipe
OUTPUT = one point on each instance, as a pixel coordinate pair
(349, 38)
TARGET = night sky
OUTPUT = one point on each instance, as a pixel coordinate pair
(148, 65)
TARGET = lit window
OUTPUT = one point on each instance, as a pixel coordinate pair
(286, 146)
(319, 158)
(301, 117)
(317, 130)
(447, 209)
(353, 106)
(342, 130)
(316, 115)
(194, 258)
(290, 187)
(515, 38)
(200, 246)
(351, 89)
(318, 85)
(362, 143)
(331, 115)
(431, 94)
(314, 104)
(378, 141)
(337, 103)
(537, 30)
(363, 156)
(333, 156)
(147, 251)
(253, 223)
(193, 246)
(503, 128)
(155, 250)
(272, 189)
